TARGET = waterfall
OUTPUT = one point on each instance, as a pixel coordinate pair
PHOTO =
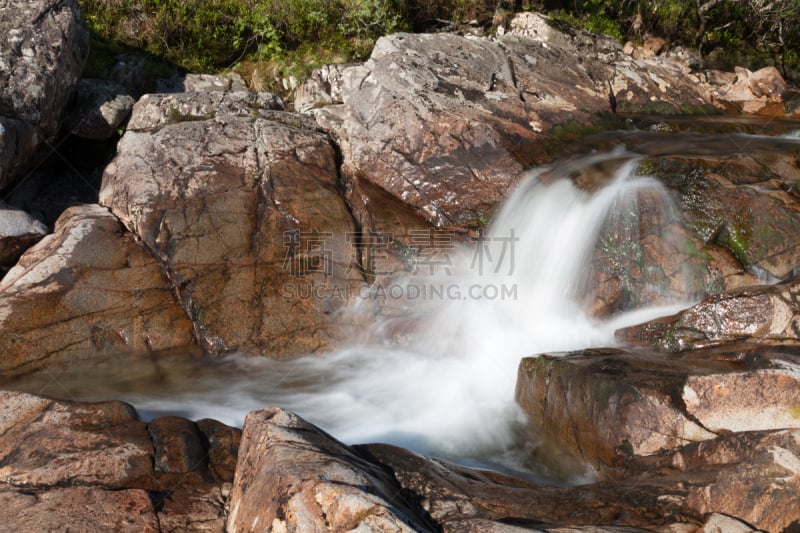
(519, 290)
(516, 292)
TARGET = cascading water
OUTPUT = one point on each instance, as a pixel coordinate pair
(449, 390)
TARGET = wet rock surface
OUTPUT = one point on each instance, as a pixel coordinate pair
(710, 424)
(741, 200)
(604, 405)
(764, 314)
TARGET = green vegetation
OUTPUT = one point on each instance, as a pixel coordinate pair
(749, 33)
(283, 37)
(279, 38)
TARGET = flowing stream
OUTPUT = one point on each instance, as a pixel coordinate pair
(448, 388)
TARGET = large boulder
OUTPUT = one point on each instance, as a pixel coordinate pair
(79, 509)
(754, 476)
(447, 123)
(88, 288)
(43, 47)
(599, 405)
(241, 206)
(46, 443)
(605, 405)
(707, 427)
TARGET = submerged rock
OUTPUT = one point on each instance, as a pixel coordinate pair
(43, 47)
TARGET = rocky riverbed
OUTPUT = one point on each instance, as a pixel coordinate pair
(190, 219)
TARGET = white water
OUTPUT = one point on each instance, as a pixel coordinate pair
(450, 389)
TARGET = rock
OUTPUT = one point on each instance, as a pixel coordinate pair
(652, 46)
(292, 476)
(602, 404)
(767, 82)
(223, 447)
(93, 467)
(156, 110)
(629, 48)
(129, 70)
(323, 87)
(47, 443)
(720, 78)
(767, 315)
(191, 509)
(201, 83)
(738, 399)
(88, 288)
(738, 200)
(719, 523)
(79, 509)
(18, 232)
(447, 124)
(465, 499)
(724, 272)
(43, 47)
(735, 401)
(752, 476)
(101, 108)
(245, 216)
(539, 28)
(757, 92)
(178, 446)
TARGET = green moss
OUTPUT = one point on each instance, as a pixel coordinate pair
(735, 240)
(794, 412)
